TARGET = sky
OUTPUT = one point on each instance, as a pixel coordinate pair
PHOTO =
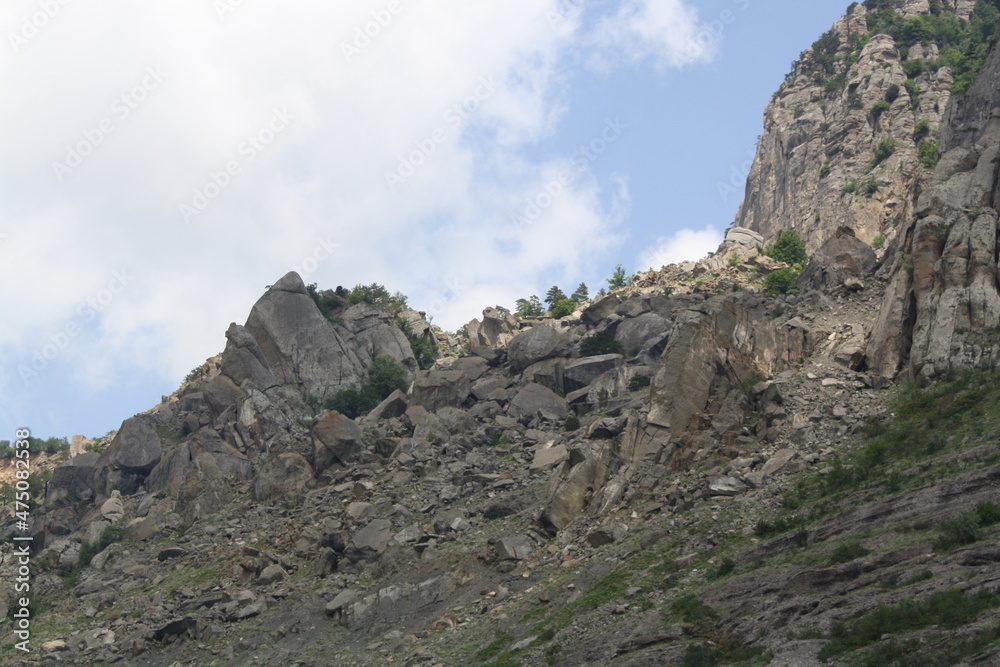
(163, 162)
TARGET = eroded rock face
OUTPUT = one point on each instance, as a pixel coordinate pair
(817, 141)
(943, 302)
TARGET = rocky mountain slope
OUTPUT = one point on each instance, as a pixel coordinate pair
(694, 469)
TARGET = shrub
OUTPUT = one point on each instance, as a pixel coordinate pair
(850, 187)
(373, 294)
(782, 281)
(600, 343)
(878, 241)
(572, 423)
(884, 150)
(928, 154)
(845, 553)
(425, 350)
(869, 186)
(789, 248)
(638, 382)
(563, 308)
(385, 376)
(921, 130)
(88, 550)
(913, 68)
(880, 108)
(913, 90)
(824, 171)
(891, 93)
(734, 261)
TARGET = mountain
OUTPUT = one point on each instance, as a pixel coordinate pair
(784, 454)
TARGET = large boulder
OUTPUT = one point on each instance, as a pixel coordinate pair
(536, 345)
(842, 256)
(338, 440)
(494, 332)
(601, 310)
(73, 479)
(434, 390)
(300, 346)
(286, 477)
(376, 333)
(536, 400)
(644, 335)
(580, 373)
(126, 463)
(243, 360)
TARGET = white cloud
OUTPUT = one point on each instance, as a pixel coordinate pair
(666, 31)
(461, 89)
(683, 246)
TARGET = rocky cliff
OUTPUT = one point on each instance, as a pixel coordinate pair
(693, 469)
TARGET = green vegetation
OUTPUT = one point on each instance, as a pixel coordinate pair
(35, 446)
(878, 242)
(921, 130)
(581, 293)
(824, 171)
(783, 281)
(425, 350)
(884, 150)
(563, 308)
(384, 377)
(967, 527)
(327, 301)
(530, 307)
(789, 248)
(554, 296)
(845, 553)
(880, 108)
(88, 550)
(913, 90)
(928, 153)
(638, 382)
(618, 278)
(891, 93)
(572, 423)
(600, 343)
(947, 609)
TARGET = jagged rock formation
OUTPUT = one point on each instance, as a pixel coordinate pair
(942, 306)
(571, 481)
(821, 133)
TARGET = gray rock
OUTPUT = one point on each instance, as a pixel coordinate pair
(133, 453)
(433, 390)
(548, 373)
(840, 258)
(580, 373)
(549, 457)
(537, 344)
(337, 440)
(727, 486)
(513, 548)
(369, 542)
(601, 309)
(538, 401)
(376, 333)
(285, 478)
(300, 346)
(271, 574)
(644, 335)
(393, 406)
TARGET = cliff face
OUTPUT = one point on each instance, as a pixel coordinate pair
(942, 307)
(815, 168)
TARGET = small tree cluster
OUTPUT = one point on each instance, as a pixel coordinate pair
(789, 248)
(385, 376)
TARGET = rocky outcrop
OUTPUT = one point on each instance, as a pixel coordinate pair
(817, 151)
(302, 348)
(126, 463)
(536, 345)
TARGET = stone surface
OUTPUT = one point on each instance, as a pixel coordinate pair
(338, 440)
(433, 390)
(538, 401)
(535, 345)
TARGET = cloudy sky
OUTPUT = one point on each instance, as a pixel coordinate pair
(164, 161)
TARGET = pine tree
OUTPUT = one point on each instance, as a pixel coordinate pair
(581, 293)
(554, 296)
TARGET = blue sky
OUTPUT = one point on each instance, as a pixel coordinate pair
(164, 162)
